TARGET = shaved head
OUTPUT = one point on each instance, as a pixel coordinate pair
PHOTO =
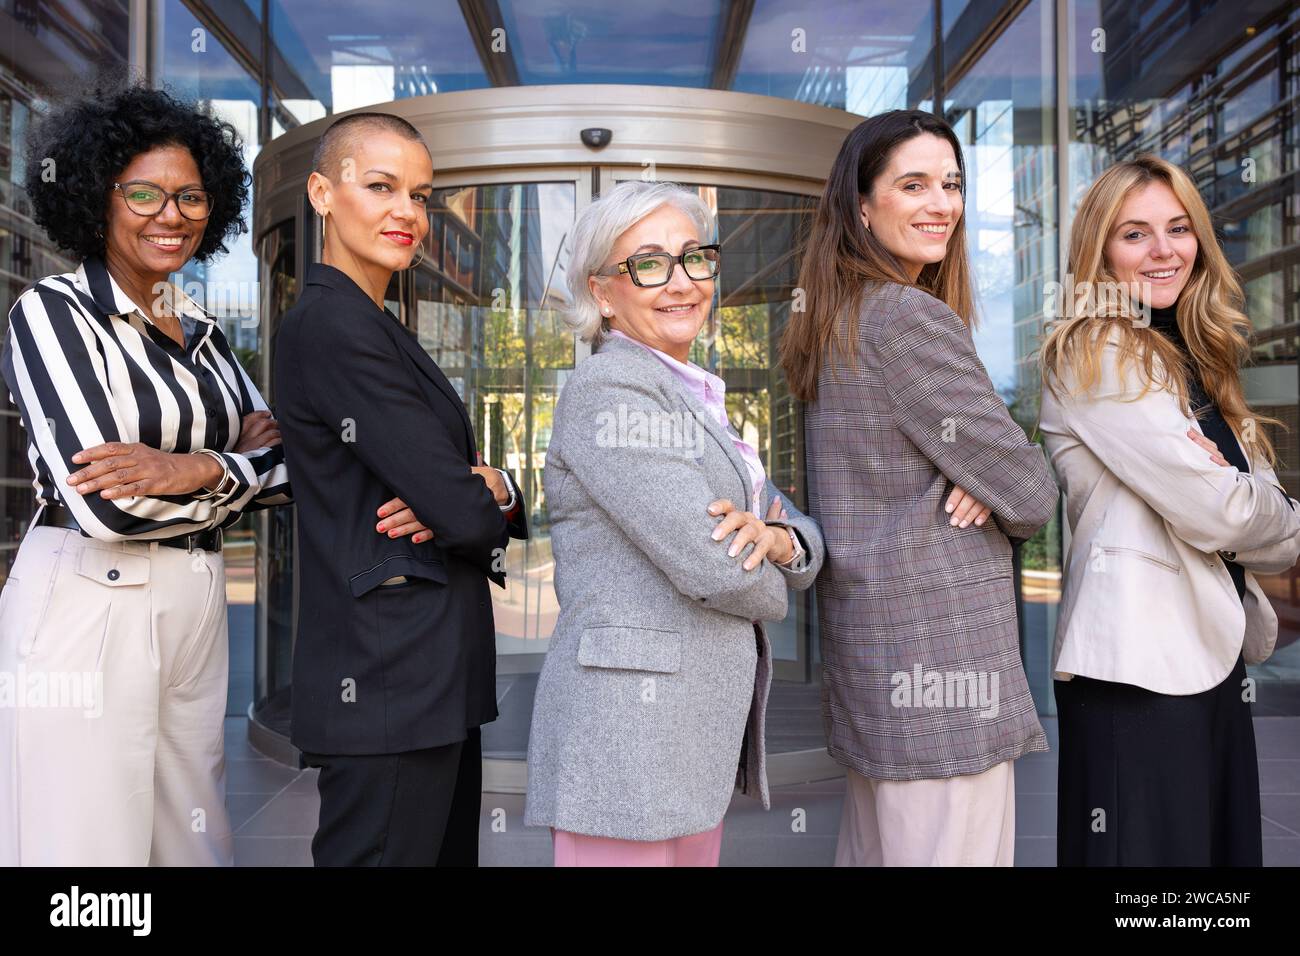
(343, 135)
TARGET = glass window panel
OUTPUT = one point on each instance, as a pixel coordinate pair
(670, 43)
(1002, 110)
(42, 48)
(862, 57)
(47, 44)
(488, 312)
(274, 527)
(191, 61)
(336, 57)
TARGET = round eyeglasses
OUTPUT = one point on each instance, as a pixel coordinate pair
(149, 199)
(648, 269)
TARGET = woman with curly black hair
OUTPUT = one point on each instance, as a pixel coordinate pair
(146, 439)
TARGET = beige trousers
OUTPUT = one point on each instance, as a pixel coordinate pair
(967, 820)
(113, 673)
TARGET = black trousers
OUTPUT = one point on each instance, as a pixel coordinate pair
(1147, 779)
(419, 808)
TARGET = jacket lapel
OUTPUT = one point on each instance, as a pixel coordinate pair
(408, 340)
(318, 273)
(654, 368)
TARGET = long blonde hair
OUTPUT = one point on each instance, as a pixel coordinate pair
(1209, 309)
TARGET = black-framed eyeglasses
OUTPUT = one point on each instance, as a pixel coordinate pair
(149, 199)
(648, 269)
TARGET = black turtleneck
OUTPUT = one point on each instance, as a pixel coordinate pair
(1207, 413)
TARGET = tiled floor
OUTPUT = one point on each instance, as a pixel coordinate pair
(274, 809)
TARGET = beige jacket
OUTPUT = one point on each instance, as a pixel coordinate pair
(1147, 599)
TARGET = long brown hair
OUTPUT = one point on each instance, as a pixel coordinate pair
(841, 257)
(1209, 309)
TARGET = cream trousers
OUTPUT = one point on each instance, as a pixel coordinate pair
(967, 820)
(113, 673)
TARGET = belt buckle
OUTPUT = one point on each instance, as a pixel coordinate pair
(192, 541)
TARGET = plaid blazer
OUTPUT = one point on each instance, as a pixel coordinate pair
(922, 676)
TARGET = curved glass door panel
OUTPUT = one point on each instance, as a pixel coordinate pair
(276, 611)
(485, 305)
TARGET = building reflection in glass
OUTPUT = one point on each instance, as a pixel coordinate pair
(1002, 110)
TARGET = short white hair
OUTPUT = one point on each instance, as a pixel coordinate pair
(598, 229)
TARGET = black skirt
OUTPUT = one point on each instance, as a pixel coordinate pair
(1147, 779)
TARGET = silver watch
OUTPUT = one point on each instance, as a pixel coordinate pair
(796, 561)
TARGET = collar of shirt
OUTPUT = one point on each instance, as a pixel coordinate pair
(110, 299)
(712, 393)
(708, 388)
(318, 273)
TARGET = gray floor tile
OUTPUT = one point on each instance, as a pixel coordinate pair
(819, 815)
(1271, 828)
(1035, 776)
(272, 851)
(1283, 809)
(1282, 851)
(242, 806)
(305, 782)
(1279, 776)
(797, 850)
(1036, 851)
(1277, 737)
(257, 776)
(515, 850)
(1036, 815)
(288, 815)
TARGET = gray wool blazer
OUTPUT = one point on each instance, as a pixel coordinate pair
(650, 705)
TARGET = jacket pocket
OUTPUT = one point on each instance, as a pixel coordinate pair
(1144, 556)
(631, 648)
(394, 565)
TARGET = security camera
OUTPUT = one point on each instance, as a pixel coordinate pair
(596, 138)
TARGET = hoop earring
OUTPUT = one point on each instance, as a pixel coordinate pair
(415, 262)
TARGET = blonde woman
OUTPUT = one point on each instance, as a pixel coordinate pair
(1173, 507)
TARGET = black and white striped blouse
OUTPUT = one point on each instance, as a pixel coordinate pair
(84, 366)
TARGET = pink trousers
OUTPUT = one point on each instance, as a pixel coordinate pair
(695, 849)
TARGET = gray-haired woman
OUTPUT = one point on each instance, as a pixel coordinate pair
(649, 710)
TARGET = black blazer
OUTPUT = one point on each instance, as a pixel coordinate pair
(366, 415)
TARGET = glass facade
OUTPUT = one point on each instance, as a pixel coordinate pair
(1003, 110)
(1043, 94)
(40, 47)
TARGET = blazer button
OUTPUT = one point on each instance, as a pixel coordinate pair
(114, 574)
